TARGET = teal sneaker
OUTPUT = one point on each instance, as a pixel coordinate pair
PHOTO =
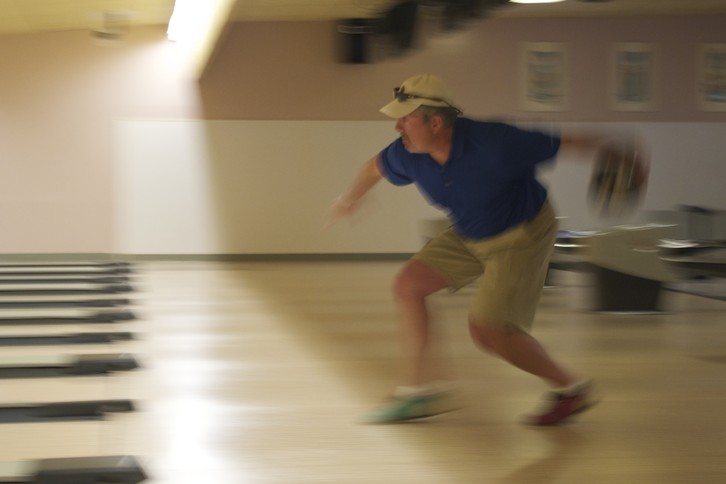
(403, 409)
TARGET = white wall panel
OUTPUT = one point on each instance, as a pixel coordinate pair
(264, 187)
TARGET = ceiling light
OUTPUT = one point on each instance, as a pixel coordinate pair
(536, 1)
(189, 19)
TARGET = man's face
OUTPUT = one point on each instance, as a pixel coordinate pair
(416, 133)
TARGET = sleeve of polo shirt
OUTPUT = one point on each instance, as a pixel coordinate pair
(392, 162)
(529, 148)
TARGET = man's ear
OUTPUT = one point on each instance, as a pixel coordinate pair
(437, 122)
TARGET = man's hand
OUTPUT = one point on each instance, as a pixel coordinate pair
(342, 208)
(348, 204)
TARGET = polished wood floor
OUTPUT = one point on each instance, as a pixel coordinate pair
(260, 372)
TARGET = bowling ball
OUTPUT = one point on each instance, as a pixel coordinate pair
(618, 181)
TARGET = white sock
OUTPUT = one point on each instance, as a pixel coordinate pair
(413, 391)
(574, 387)
(407, 391)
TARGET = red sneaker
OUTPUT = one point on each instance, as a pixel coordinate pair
(561, 406)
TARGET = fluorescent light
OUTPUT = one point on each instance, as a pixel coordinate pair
(189, 19)
(535, 1)
(196, 25)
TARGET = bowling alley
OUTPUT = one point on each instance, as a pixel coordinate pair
(362, 241)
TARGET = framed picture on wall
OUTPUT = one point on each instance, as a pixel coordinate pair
(712, 77)
(633, 83)
(544, 77)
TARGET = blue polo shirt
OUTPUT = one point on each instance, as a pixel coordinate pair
(488, 183)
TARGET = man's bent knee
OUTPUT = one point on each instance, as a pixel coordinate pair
(492, 337)
(417, 280)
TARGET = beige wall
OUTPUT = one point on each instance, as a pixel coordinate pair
(59, 96)
(62, 96)
(269, 71)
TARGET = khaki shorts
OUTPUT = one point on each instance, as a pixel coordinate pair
(512, 266)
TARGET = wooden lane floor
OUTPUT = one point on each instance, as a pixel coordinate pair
(90, 265)
(36, 354)
(27, 279)
(36, 301)
(28, 316)
(284, 359)
(260, 372)
(62, 289)
(88, 470)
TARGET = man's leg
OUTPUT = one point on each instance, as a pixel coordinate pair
(413, 284)
(569, 396)
(415, 396)
(443, 262)
(509, 291)
(521, 350)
